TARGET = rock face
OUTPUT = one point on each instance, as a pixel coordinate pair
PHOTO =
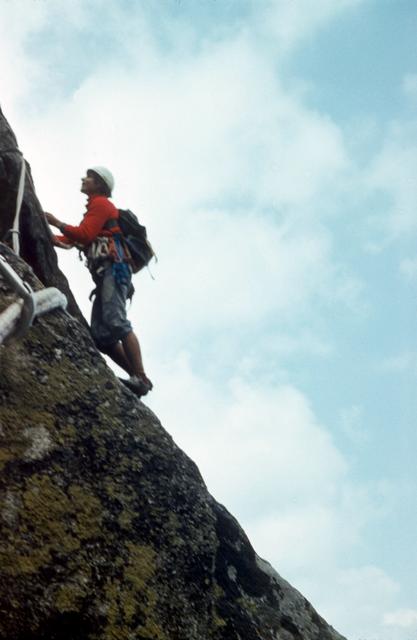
(107, 531)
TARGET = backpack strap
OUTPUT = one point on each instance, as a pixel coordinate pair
(111, 224)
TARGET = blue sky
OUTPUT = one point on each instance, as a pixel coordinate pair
(270, 147)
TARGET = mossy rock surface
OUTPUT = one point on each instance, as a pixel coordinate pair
(107, 531)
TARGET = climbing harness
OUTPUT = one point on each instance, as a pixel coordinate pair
(19, 316)
(109, 248)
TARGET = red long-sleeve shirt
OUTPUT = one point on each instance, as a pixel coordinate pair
(99, 211)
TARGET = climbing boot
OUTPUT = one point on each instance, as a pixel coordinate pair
(138, 385)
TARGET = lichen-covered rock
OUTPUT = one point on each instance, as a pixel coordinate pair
(107, 531)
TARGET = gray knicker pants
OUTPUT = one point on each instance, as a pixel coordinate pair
(109, 322)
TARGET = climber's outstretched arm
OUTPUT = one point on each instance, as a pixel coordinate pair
(53, 220)
(58, 241)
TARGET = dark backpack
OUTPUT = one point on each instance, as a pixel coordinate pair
(134, 235)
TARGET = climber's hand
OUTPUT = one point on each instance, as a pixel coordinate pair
(52, 219)
(61, 245)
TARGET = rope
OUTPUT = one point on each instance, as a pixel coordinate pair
(15, 231)
(15, 321)
(19, 316)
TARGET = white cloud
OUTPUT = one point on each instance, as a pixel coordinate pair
(389, 183)
(270, 430)
(408, 268)
(406, 618)
(400, 363)
(299, 539)
(392, 174)
(300, 342)
(351, 419)
(367, 593)
(18, 73)
(236, 271)
(410, 85)
(292, 22)
(25, 72)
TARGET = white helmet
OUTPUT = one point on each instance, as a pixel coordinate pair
(105, 175)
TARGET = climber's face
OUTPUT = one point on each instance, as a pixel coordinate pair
(89, 185)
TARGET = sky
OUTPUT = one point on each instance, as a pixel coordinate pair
(270, 147)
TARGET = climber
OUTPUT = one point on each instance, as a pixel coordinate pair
(108, 262)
